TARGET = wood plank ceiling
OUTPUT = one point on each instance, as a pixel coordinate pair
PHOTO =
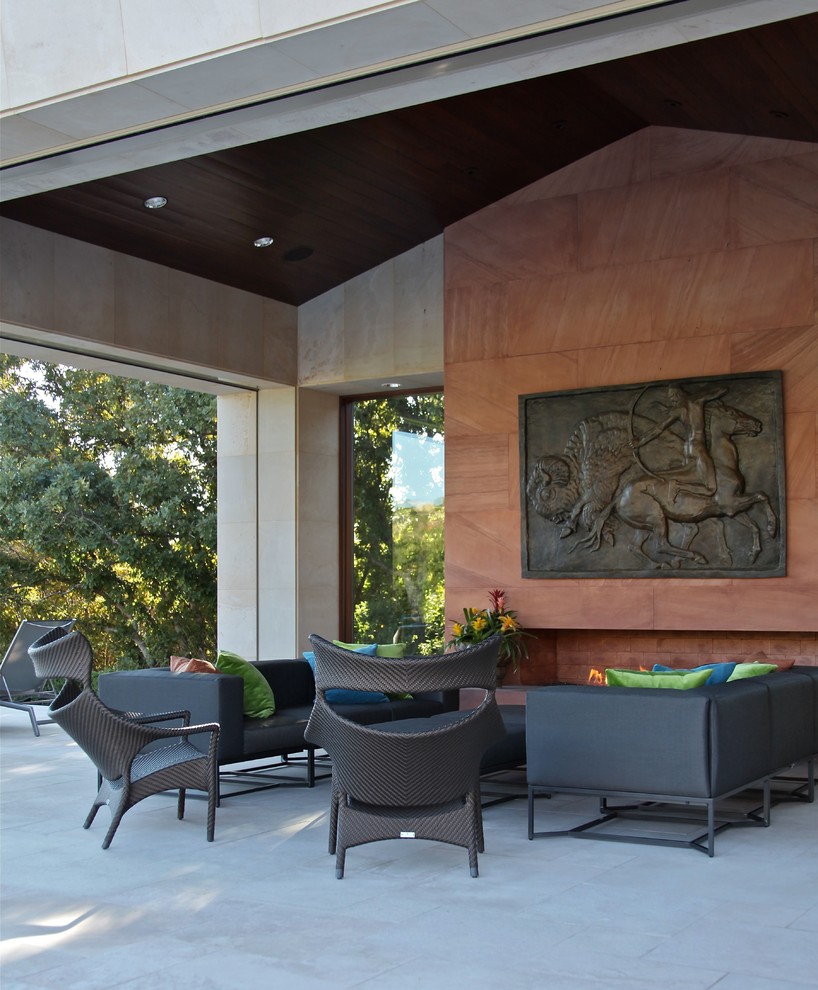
(341, 199)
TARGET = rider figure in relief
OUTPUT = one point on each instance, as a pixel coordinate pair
(697, 475)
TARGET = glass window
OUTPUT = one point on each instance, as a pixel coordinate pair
(394, 547)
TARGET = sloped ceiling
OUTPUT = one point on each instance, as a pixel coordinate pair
(342, 199)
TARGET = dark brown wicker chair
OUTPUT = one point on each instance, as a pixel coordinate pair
(116, 741)
(411, 778)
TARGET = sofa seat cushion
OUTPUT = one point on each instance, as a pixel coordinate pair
(364, 714)
(282, 732)
(418, 706)
(508, 752)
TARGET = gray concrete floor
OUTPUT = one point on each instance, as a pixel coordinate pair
(261, 905)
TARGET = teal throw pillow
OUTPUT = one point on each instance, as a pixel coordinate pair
(259, 701)
(341, 696)
(751, 670)
(681, 680)
(720, 672)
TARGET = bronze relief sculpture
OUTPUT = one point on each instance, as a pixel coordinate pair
(674, 478)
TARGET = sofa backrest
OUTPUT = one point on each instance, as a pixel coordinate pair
(698, 743)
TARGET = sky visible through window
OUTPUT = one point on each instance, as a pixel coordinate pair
(417, 469)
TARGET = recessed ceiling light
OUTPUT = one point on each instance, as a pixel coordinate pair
(155, 202)
(263, 241)
(391, 385)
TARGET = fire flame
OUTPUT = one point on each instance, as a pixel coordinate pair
(598, 677)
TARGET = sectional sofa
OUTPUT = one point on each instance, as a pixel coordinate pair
(653, 748)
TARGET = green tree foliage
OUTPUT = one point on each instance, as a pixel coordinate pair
(108, 510)
(398, 549)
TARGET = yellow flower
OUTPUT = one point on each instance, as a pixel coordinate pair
(507, 623)
(479, 622)
(457, 629)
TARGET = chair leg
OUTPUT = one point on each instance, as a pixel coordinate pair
(103, 797)
(333, 818)
(180, 807)
(117, 811)
(92, 814)
(478, 818)
(211, 812)
(476, 840)
(340, 860)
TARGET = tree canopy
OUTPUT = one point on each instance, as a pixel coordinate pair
(108, 510)
(397, 543)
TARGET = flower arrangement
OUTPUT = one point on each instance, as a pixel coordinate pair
(479, 624)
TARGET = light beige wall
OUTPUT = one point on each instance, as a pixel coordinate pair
(279, 509)
(385, 324)
(237, 469)
(101, 298)
(318, 516)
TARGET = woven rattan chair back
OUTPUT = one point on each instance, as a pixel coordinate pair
(421, 778)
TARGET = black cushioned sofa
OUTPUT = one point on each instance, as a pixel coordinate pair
(219, 698)
(651, 746)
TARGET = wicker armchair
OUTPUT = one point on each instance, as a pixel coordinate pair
(116, 741)
(412, 778)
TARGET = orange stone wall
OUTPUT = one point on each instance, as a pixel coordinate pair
(671, 253)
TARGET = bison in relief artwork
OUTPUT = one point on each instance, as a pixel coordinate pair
(677, 478)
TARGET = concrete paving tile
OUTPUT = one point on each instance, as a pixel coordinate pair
(263, 901)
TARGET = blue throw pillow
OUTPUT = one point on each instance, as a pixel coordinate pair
(720, 671)
(340, 696)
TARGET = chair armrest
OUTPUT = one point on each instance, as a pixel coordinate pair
(160, 717)
(210, 698)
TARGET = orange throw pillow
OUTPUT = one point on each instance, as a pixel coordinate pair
(182, 665)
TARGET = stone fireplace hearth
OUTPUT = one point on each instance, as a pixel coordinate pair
(568, 656)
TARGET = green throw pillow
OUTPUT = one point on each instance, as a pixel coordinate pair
(394, 650)
(751, 670)
(258, 695)
(679, 679)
